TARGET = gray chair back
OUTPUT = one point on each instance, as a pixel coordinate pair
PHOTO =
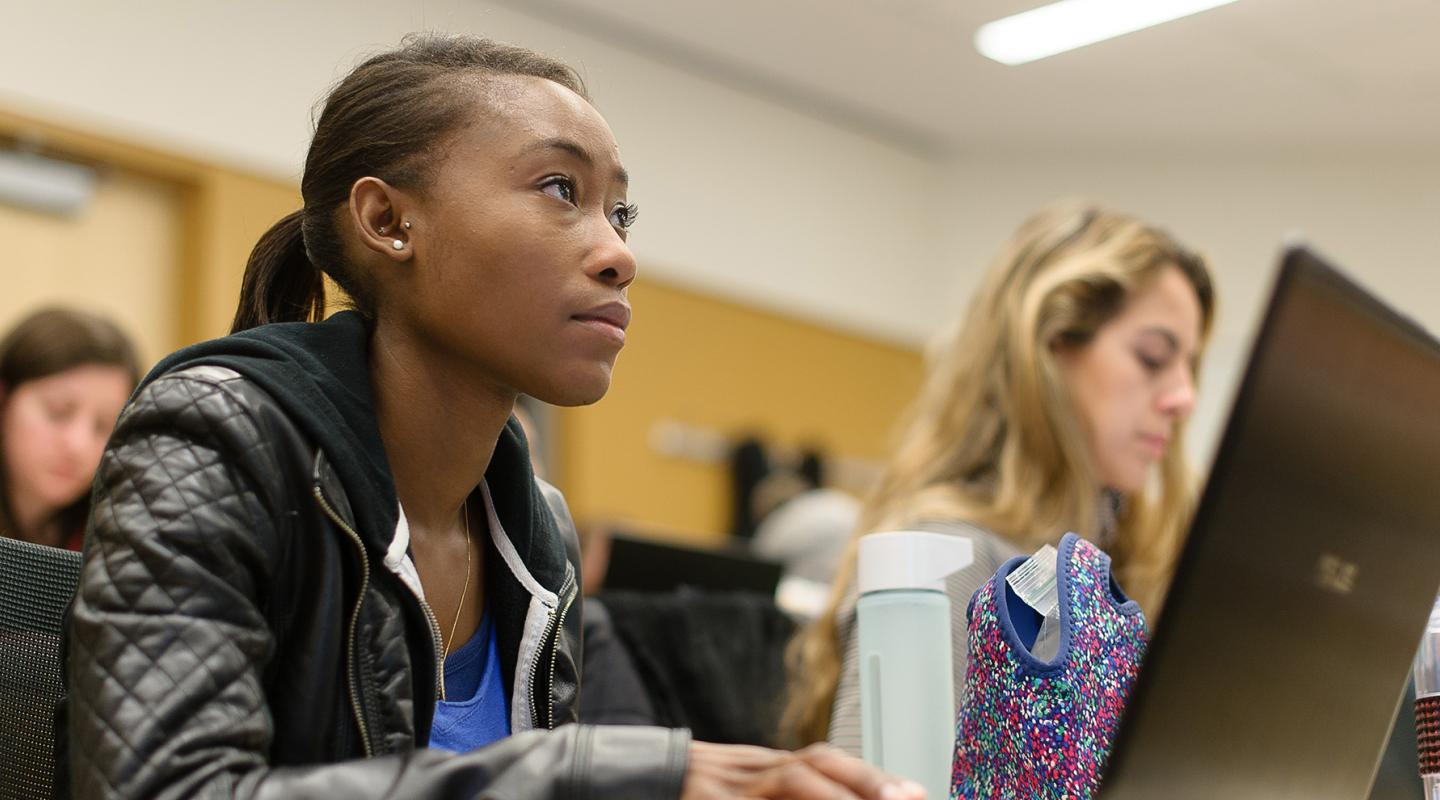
(36, 584)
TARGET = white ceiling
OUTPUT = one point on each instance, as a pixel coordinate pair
(1257, 75)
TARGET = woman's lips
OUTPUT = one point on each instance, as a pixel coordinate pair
(608, 319)
(604, 327)
(1155, 444)
(67, 474)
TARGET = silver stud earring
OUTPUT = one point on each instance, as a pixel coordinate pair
(381, 230)
(398, 245)
(407, 224)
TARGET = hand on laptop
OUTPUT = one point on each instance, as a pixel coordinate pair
(819, 772)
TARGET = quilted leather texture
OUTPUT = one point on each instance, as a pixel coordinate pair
(210, 644)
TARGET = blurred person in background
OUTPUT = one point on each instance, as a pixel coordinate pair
(805, 526)
(319, 562)
(1056, 404)
(64, 375)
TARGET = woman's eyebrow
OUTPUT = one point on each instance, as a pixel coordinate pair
(575, 149)
(1163, 333)
(1173, 343)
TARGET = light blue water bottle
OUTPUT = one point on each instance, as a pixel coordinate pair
(907, 698)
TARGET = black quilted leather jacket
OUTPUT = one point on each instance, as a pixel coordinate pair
(236, 635)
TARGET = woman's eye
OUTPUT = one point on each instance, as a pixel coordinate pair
(560, 188)
(59, 413)
(1151, 363)
(623, 216)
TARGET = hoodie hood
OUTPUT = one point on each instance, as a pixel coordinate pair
(320, 374)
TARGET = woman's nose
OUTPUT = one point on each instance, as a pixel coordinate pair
(80, 439)
(1178, 399)
(610, 260)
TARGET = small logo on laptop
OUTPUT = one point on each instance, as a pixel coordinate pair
(1335, 574)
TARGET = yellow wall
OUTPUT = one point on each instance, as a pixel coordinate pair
(161, 247)
(118, 256)
(720, 365)
(228, 213)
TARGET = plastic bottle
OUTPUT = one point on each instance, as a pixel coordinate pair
(1427, 705)
(907, 697)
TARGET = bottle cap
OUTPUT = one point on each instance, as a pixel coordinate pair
(911, 560)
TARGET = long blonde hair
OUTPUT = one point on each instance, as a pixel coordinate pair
(993, 439)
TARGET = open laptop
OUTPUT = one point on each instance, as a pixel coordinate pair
(1285, 643)
(639, 564)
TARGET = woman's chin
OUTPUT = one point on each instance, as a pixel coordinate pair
(1129, 481)
(61, 497)
(576, 389)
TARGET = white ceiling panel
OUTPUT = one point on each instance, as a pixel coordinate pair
(1255, 75)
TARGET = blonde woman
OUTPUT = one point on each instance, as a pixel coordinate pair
(1058, 404)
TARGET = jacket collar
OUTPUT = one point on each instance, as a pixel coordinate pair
(319, 373)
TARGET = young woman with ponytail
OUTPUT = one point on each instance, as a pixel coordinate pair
(319, 564)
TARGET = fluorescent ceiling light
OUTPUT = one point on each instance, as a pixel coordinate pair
(1069, 24)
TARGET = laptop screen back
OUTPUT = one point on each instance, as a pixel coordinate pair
(1314, 557)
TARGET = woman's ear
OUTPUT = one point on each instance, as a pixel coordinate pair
(1064, 348)
(1060, 349)
(377, 211)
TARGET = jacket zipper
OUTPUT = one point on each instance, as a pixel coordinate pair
(439, 648)
(354, 619)
(552, 637)
(554, 655)
(435, 644)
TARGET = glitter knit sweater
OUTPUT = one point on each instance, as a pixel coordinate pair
(1042, 729)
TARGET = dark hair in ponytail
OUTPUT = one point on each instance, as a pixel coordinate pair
(385, 120)
(280, 283)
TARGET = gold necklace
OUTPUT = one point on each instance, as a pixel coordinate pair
(459, 607)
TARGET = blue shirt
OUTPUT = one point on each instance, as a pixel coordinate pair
(477, 711)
